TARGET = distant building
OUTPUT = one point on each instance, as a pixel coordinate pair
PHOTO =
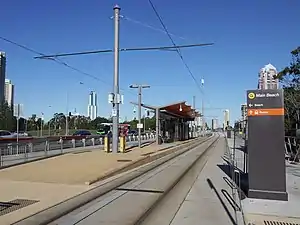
(267, 78)
(243, 111)
(92, 106)
(226, 119)
(214, 124)
(9, 92)
(243, 115)
(2, 75)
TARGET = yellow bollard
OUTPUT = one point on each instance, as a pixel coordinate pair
(122, 148)
(106, 144)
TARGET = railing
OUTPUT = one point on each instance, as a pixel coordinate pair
(292, 149)
(28, 149)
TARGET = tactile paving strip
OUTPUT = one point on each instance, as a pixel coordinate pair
(270, 222)
(8, 207)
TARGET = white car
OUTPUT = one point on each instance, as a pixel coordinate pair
(6, 134)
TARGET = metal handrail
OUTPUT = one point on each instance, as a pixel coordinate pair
(32, 148)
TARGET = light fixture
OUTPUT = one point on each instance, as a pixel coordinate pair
(180, 108)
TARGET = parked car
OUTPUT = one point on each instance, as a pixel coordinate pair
(132, 132)
(6, 134)
(82, 133)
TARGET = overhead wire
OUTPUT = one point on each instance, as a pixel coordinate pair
(60, 62)
(151, 27)
(178, 50)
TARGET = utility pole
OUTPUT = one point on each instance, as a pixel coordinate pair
(116, 89)
(203, 120)
(145, 121)
(194, 125)
(67, 115)
(140, 125)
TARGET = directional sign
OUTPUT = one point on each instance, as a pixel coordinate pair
(265, 99)
(266, 144)
(266, 112)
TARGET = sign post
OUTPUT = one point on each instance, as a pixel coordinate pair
(267, 177)
(18, 111)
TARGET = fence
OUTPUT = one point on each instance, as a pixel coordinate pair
(28, 149)
(292, 149)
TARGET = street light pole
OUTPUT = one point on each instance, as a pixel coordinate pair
(194, 124)
(140, 87)
(145, 113)
(49, 124)
(67, 115)
(116, 89)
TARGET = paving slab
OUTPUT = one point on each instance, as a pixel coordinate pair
(54, 180)
(45, 194)
(76, 168)
(207, 201)
(257, 211)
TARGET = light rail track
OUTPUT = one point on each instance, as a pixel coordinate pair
(129, 198)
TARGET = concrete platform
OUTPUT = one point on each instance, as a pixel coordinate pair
(210, 199)
(257, 211)
(54, 180)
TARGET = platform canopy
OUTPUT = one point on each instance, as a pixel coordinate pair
(178, 110)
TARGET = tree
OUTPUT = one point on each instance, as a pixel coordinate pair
(7, 120)
(290, 79)
(290, 75)
(95, 124)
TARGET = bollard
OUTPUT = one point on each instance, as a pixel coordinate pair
(73, 143)
(122, 147)
(61, 145)
(83, 142)
(93, 141)
(106, 144)
(30, 145)
(46, 147)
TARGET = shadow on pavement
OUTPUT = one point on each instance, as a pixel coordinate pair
(231, 201)
(211, 185)
(129, 148)
(242, 183)
(243, 149)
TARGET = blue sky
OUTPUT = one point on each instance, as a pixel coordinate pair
(247, 35)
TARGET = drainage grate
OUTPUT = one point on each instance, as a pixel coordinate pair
(8, 207)
(124, 160)
(270, 222)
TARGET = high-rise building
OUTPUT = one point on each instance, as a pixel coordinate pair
(226, 119)
(267, 78)
(243, 111)
(214, 124)
(243, 115)
(92, 107)
(2, 75)
(9, 92)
